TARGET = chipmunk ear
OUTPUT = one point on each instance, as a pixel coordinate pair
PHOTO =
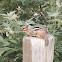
(27, 26)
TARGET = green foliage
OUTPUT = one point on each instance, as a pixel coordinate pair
(16, 13)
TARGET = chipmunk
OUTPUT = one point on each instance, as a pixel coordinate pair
(35, 31)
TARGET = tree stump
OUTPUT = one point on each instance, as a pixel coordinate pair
(35, 50)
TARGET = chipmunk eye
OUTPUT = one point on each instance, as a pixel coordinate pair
(23, 28)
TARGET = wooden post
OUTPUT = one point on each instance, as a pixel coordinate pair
(35, 50)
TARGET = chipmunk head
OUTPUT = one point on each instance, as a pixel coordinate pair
(25, 28)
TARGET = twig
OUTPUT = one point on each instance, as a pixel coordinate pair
(7, 6)
(44, 18)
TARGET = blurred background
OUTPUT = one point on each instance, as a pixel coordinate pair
(14, 14)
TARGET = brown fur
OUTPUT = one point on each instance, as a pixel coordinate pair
(38, 32)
